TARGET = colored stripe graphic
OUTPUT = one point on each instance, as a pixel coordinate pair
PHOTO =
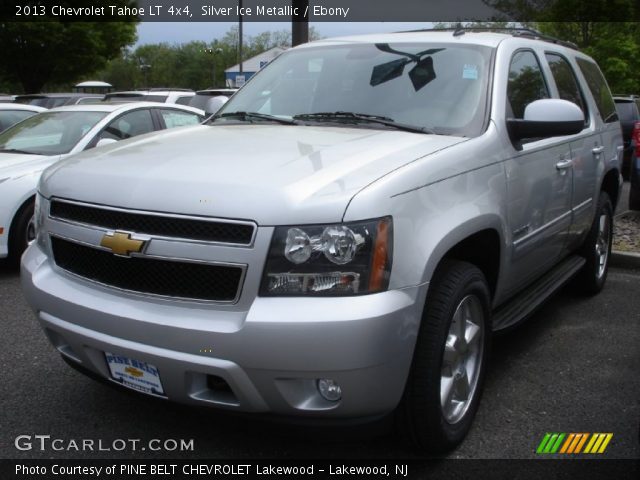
(581, 442)
(572, 443)
(543, 443)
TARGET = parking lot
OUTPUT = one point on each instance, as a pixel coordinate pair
(572, 368)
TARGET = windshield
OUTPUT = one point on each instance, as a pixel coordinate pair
(441, 87)
(49, 133)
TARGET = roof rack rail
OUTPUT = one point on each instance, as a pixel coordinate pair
(515, 31)
(169, 89)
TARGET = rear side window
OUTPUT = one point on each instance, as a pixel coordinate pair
(129, 125)
(184, 100)
(599, 90)
(176, 118)
(627, 111)
(526, 83)
(565, 80)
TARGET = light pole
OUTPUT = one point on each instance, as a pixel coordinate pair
(213, 52)
(145, 68)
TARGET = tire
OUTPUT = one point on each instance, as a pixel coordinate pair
(596, 249)
(634, 198)
(634, 193)
(433, 420)
(21, 233)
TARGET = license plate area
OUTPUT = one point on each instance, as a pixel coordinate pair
(135, 374)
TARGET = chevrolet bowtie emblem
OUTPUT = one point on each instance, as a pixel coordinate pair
(122, 244)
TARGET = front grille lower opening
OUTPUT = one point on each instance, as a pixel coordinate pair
(176, 279)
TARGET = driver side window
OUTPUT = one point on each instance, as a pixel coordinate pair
(526, 83)
(129, 125)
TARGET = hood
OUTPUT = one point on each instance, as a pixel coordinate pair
(19, 164)
(271, 174)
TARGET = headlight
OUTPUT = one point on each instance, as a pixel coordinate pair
(39, 213)
(329, 260)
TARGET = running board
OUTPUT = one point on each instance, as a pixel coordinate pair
(529, 300)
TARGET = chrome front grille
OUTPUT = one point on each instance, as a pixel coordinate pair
(231, 232)
(177, 256)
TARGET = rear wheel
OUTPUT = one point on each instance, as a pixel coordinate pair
(447, 375)
(634, 196)
(22, 233)
(597, 248)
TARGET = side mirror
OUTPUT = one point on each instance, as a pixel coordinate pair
(105, 141)
(214, 104)
(549, 117)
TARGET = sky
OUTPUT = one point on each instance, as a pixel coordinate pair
(182, 32)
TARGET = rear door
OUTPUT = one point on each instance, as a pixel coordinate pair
(609, 154)
(586, 149)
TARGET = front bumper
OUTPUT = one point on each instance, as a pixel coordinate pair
(270, 354)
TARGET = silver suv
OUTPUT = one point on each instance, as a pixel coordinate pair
(343, 238)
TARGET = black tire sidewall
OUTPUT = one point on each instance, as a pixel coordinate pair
(18, 232)
(422, 409)
(592, 284)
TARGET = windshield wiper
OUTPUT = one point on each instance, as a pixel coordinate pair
(363, 117)
(248, 116)
(15, 150)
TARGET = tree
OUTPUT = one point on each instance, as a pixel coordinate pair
(188, 65)
(52, 52)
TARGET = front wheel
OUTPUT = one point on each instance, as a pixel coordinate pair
(447, 375)
(22, 233)
(597, 248)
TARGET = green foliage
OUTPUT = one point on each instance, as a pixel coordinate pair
(35, 54)
(615, 46)
(189, 65)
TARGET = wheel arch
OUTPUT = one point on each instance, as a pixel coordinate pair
(479, 242)
(611, 185)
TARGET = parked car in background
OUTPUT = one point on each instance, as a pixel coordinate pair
(52, 100)
(12, 113)
(30, 146)
(181, 96)
(6, 98)
(634, 171)
(628, 109)
(211, 99)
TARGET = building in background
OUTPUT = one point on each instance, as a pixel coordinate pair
(232, 75)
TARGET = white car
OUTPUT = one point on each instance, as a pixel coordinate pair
(181, 96)
(30, 146)
(12, 113)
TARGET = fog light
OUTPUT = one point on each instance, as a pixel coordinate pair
(329, 389)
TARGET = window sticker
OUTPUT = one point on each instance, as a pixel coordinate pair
(470, 72)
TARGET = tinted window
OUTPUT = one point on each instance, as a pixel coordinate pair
(176, 118)
(56, 102)
(599, 90)
(526, 82)
(184, 100)
(155, 98)
(129, 125)
(566, 81)
(9, 117)
(627, 111)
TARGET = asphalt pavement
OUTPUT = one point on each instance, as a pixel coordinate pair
(573, 367)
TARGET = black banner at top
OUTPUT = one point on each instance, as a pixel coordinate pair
(319, 10)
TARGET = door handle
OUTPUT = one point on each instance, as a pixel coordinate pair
(564, 164)
(597, 150)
